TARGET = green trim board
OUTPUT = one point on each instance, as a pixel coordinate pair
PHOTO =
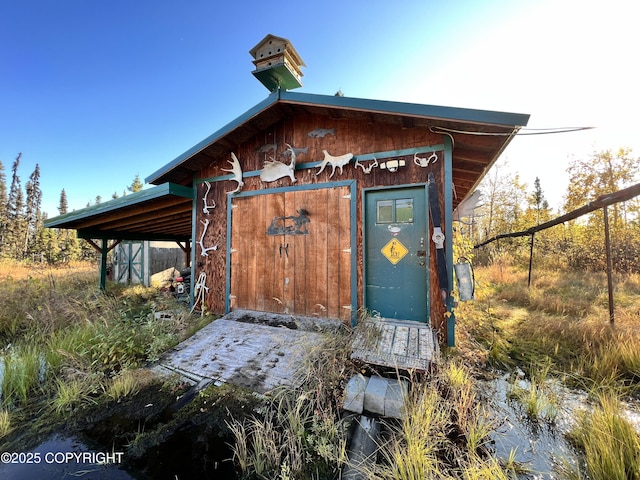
(364, 157)
(353, 261)
(448, 223)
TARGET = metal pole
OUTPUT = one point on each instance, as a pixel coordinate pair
(530, 259)
(607, 246)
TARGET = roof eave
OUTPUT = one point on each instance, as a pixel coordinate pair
(463, 115)
(118, 203)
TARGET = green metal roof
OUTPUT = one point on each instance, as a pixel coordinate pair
(161, 212)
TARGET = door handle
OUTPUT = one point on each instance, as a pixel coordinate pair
(280, 250)
(286, 250)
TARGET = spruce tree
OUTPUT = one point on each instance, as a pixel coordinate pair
(63, 206)
(16, 223)
(33, 213)
(3, 207)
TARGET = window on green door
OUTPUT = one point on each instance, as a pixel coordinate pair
(395, 211)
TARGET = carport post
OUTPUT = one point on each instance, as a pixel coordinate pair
(103, 265)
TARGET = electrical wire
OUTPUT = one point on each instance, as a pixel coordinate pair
(533, 131)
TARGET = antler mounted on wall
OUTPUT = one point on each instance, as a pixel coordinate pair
(236, 170)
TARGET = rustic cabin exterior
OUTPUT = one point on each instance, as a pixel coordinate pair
(318, 205)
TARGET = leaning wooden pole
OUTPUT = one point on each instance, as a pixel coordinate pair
(600, 202)
(607, 246)
(530, 259)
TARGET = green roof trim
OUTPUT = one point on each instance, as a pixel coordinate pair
(380, 106)
(155, 192)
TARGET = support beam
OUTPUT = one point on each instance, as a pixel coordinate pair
(103, 249)
(103, 265)
(448, 223)
(607, 247)
(530, 260)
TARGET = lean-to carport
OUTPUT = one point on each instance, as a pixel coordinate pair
(163, 212)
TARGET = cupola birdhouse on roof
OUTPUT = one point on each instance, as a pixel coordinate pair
(277, 64)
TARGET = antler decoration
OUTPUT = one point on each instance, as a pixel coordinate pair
(203, 249)
(368, 168)
(206, 207)
(236, 170)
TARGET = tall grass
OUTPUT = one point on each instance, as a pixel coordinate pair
(58, 330)
(299, 433)
(5, 423)
(22, 374)
(610, 443)
(563, 317)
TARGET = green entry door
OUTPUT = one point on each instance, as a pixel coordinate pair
(397, 253)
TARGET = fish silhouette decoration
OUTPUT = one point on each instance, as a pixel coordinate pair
(321, 132)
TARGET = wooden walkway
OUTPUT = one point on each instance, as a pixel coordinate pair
(263, 354)
(404, 345)
(258, 357)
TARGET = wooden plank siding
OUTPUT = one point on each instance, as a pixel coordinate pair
(270, 272)
(326, 260)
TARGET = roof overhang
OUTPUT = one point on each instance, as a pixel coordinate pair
(479, 136)
(161, 212)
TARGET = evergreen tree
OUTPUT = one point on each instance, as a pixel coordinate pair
(16, 224)
(33, 214)
(538, 202)
(136, 185)
(63, 206)
(3, 207)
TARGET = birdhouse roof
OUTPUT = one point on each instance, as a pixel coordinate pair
(287, 44)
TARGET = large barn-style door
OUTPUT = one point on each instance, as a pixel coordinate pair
(291, 252)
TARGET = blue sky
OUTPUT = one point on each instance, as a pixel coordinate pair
(99, 92)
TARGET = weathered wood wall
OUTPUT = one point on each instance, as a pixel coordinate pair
(349, 136)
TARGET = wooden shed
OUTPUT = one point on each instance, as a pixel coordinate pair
(319, 205)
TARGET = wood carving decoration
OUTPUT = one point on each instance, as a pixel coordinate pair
(275, 170)
(339, 162)
(236, 170)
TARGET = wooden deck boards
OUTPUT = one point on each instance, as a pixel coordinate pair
(257, 357)
(397, 344)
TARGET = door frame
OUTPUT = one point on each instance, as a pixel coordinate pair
(365, 191)
(314, 186)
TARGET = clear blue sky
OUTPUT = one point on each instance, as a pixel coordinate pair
(97, 92)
